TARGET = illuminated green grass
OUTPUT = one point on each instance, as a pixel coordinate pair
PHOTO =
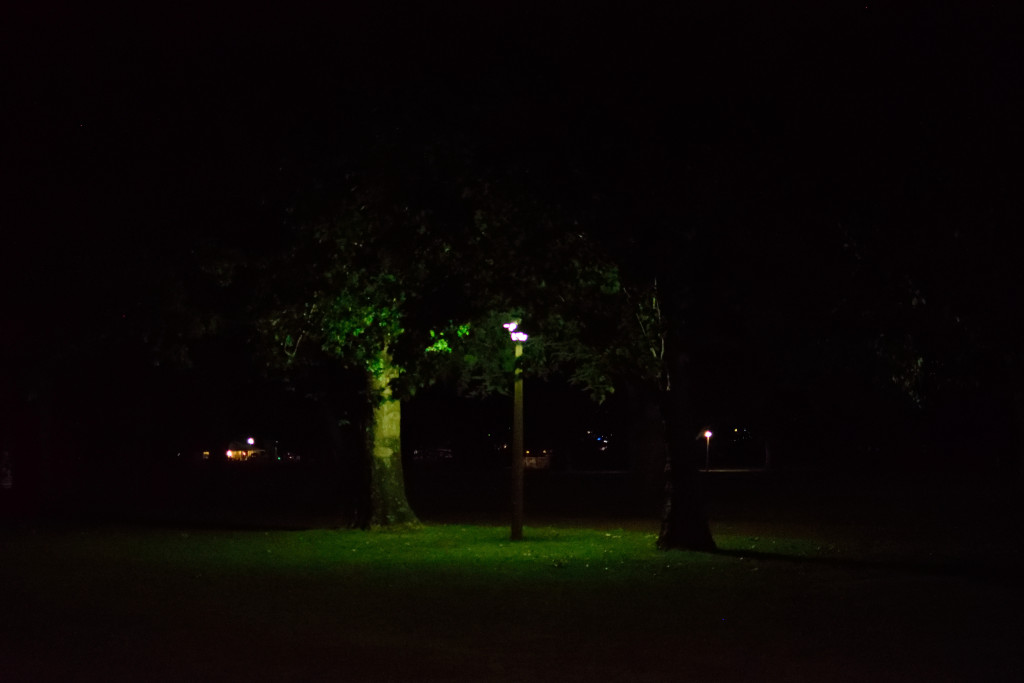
(464, 603)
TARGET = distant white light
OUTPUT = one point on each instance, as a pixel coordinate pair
(519, 336)
(707, 434)
(231, 454)
(511, 327)
(250, 441)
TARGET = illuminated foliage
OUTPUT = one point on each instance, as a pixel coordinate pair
(355, 272)
(413, 287)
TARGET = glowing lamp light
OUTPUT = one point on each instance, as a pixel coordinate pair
(231, 454)
(513, 332)
(250, 441)
(708, 434)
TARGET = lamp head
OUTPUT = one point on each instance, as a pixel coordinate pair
(513, 332)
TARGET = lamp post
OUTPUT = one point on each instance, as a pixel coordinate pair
(518, 462)
(707, 449)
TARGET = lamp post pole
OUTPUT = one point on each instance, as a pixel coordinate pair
(518, 461)
(707, 450)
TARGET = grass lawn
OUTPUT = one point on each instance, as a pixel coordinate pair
(457, 602)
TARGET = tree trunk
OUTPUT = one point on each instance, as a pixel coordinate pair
(684, 524)
(384, 446)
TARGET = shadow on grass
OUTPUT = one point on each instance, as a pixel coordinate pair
(1007, 573)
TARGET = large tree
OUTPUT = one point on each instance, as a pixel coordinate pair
(405, 275)
(344, 293)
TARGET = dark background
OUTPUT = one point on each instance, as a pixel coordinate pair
(839, 186)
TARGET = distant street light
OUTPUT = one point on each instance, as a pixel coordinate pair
(518, 461)
(707, 449)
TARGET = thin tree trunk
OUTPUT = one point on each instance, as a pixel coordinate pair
(684, 524)
(384, 446)
(348, 463)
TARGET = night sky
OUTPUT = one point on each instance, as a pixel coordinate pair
(819, 159)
